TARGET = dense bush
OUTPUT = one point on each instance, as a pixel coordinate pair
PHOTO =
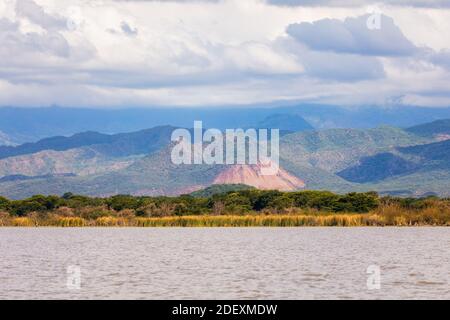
(234, 202)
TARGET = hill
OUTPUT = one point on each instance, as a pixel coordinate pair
(154, 174)
(385, 159)
(336, 149)
(377, 168)
(6, 140)
(436, 153)
(285, 122)
(404, 160)
(250, 175)
(220, 189)
(439, 129)
(407, 171)
(82, 154)
(123, 144)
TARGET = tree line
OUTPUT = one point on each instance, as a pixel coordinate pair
(232, 202)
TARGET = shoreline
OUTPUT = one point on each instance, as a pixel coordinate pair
(246, 208)
(331, 220)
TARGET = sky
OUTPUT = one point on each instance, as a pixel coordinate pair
(99, 53)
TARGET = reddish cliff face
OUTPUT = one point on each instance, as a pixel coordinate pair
(251, 175)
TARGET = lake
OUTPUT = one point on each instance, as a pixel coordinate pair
(225, 263)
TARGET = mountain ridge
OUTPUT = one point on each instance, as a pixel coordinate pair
(90, 138)
(23, 124)
(310, 159)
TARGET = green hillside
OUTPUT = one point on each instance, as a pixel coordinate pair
(433, 152)
(384, 159)
(431, 129)
(404, 160)
(377, 168)
(122, 144)
(430, 182)
(337, 149)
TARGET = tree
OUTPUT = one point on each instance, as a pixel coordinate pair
(121, 202)
(4, 203)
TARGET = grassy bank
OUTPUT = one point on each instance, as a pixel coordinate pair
(387, 216)
(252, 208)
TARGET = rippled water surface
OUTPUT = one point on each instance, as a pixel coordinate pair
(224, 263)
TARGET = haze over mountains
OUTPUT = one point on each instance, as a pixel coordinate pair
(412, 161)
(21, 125)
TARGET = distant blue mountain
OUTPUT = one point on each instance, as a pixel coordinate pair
(31, 124)
(21, 177)
(286, 121)
(438, 127)
(121, 144)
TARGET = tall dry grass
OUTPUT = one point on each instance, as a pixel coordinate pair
(5, 219)
(111, 222)
(436, 213)
(68, 222)
(22, 222)
(343, 220)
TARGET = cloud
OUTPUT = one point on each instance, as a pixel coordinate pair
(353, 36)
(342, 67)
(126, 28)
(441, 58)
(332, 66)
(24, 45)
(355, 3)
(35, 48)
(261, 59)
(144, 53)
(36, 14)
(331, 3)
(156, 58)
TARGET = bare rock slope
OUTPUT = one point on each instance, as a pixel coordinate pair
(251, 175)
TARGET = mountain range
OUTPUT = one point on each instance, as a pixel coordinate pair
(413, 161)
(21, 125)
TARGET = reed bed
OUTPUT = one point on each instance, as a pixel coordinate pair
(436, 215)
(4, 219)
(386, 215)
(22, 222)
(112, 222)
(68, 222)
(345, 220)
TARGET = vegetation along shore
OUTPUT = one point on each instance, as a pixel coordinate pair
(242, 208)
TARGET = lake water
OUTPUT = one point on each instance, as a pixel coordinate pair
(224, 263)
